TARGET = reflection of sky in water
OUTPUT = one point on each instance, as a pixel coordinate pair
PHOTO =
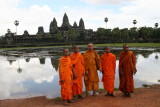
(37, 79)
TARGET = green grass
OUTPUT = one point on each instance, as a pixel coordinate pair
(98, 45)
(131, 44)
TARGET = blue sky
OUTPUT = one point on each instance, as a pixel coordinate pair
(34, 13)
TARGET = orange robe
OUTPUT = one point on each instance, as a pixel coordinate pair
(108, 62)
(127, 64)
(65, 73)
(91, 64)
(78, 64)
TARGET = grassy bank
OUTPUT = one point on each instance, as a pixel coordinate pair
(155, 45)
(131, 44)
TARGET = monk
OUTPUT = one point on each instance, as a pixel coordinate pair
(91, 64)
(78, 65)
(127, 68)
(66, 76)
(108, 63)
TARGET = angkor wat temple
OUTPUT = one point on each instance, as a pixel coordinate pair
(63, 34)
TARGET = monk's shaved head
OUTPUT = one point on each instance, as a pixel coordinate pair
(90, 46)
(125, 47)
(75, 48)
(107, 49)
(66, 52)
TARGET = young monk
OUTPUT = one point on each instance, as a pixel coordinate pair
(66, 76)
(78, 65)
(92, 64)
(108, 63)
(127, 68)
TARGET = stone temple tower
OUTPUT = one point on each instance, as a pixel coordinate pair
(53, 26)
(65, 25)
(75, 25)
(81, 24)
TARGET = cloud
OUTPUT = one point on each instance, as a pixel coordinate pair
(14, 82)
(30, 18)
(103, 2)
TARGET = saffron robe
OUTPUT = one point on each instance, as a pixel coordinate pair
(78, 64)
(108, 62)
(65, 74)
(127, 65)
(91, 64)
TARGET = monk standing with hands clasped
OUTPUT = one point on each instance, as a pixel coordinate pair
(66, 73)
(127, 68)
(108, 62)
(78, 65)
(92, 64)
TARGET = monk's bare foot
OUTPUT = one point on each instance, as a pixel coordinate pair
(112, 95)
(71, 101)
(127, 94)
(80, 96)
(107, 94)
(75, 97)
(65, 103)
(94, 93)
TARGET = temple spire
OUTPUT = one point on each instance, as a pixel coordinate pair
(65, 24)
(53, 26)
(75, 24)
(81, 24)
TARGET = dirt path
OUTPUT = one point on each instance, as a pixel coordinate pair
(142, 97)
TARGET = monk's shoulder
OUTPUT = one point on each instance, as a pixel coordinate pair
(80, 54)
(121, 53)
(60, 58)
(103, 55)
(113, 55)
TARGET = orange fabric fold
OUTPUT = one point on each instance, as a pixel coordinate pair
(108, 62)
(127, 65)
(65, 74)
(78, 64)
(91, 64)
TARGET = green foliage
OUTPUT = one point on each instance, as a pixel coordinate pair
(58, 36)
(72, 34)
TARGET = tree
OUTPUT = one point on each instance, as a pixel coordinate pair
(125, 35)
(133, 34)
(16, 24)
(116, 34)
(106, 20)
(134, 22)
(58, 36)
(72, 34)
(156, 25)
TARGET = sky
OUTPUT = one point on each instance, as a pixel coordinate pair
(34, 13)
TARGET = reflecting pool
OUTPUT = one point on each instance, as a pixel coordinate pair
(34, 72)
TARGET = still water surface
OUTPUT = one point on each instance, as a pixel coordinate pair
(34, 72)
